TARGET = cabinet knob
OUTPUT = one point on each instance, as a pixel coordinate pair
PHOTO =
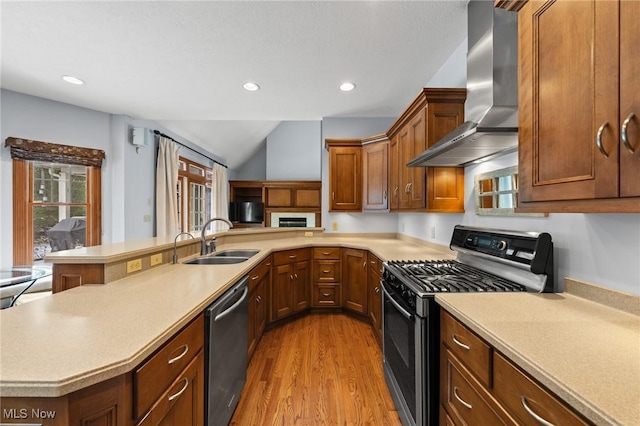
(599, 139)
(623, 133)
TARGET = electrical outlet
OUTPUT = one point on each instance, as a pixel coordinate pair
(155, 259)
(146, 218)
(308, 234)
(334, 226)
(134, 265)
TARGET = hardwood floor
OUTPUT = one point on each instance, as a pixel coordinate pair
(321, 369)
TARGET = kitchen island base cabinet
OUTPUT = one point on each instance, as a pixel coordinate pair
(259, 284)
(326, 278)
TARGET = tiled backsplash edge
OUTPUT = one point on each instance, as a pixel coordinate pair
(605, 296)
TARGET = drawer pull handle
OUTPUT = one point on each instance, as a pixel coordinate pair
(326, 253)
(181, 391)
(268, 264)
(293, 256)
(599, 139)
(326, 294)
(533, 414)
(291, 276)
(623, 133)
(462, 401)
(295, 276)
(255, 277)
(184, 352)
(326, 271)
(459, 343)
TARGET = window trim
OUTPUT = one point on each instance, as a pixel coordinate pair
(23, 210)
(186, 178)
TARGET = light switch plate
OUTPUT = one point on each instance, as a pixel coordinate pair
(308, 234)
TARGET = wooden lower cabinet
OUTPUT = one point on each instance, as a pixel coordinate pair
(259, 284)
(354, 280)
(183, 402)
(326, 291)
(375, 294)
(478, 385)
(291, 283)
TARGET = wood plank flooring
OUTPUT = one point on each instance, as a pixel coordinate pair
(321, 369)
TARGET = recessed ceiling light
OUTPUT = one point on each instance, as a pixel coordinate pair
(347, 86)
(73, 80)
(251, 86)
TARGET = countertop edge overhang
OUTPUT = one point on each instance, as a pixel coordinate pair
(81, 333)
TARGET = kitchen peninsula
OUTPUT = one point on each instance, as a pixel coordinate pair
(93, 337)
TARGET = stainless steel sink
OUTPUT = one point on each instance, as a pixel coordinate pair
(235, 253)
(216, 260)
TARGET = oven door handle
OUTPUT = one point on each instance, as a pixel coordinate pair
(402, 310)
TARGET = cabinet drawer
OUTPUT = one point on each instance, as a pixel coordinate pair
(467, 403)
(468, 347)
(326, 271)
(326, 295)
(258, 273)
(155, 375)
(326, 253)
(526, 399)
(375, 264)
(291, 256)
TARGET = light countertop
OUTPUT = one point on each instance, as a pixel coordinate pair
(88, 334)
(587, 353)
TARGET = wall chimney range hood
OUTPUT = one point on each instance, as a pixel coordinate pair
(492, 92)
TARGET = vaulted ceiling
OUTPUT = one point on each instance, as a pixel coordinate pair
(183, 63)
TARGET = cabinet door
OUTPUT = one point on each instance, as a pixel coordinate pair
(417, 144)
(302, 286)
(260, 319)
(375, 299)
(405, 154)
(568, 95)
(629, 99)
(354, 280)
(183, 402)
(445, 189)
(394, 173)
(375, 176)
(279, 197)
(345, 178)
(282, 292)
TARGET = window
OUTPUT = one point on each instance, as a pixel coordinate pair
(56, 198)
(496, 193)
(194, 195)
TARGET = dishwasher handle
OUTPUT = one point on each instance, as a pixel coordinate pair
(232, 307)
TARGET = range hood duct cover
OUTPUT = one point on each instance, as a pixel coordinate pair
(492, 92)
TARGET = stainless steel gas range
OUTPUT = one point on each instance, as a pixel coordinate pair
(487, 260)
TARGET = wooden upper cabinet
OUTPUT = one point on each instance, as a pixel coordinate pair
(574, 97)
(298, 194)
(433, 114)
(345, 174)
(375, 173)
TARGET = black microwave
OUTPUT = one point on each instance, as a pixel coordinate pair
(246, 212)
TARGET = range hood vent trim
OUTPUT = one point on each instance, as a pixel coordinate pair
(492, 93)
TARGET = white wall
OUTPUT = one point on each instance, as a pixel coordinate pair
(255, 168)
(293, 151)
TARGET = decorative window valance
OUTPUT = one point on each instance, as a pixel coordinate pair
(26, 149)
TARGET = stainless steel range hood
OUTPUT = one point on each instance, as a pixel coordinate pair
(492, 92)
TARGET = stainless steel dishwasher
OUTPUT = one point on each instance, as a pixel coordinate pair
(226, 353)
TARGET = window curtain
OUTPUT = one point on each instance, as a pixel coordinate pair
(220, 196)
(166, 188)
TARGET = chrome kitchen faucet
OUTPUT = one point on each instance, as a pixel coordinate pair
(211, 247)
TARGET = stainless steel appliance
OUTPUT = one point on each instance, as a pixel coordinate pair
(226, 353)
(487, 260)
(293, 220)
(246, 212)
